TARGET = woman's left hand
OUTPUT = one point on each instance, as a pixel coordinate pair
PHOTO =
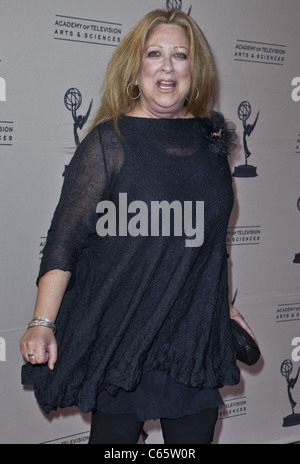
(236, 315)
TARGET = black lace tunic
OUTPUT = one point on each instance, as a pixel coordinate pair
(140, 303)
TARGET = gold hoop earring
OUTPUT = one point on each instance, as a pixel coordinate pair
(196, 98)
(130, 96)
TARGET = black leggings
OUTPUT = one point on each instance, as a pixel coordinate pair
(126, 428)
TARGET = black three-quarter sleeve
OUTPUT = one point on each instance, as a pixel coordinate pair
(75, 216)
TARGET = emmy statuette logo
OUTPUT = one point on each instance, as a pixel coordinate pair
(244, 113)
(73, 100)
(176, 5)
(286, 369)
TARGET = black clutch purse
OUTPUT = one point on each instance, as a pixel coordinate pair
(247, 350)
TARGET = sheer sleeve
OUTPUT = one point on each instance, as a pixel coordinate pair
(74, 220)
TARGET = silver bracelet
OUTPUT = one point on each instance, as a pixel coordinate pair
(41, 322)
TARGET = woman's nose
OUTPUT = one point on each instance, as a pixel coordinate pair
(167, 65)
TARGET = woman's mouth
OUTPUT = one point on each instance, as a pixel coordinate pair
(166, 85)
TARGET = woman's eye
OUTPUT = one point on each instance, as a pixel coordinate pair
(153, 54)
(182, 56)
(157, 54)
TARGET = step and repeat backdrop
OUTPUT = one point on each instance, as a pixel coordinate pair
(53, 56)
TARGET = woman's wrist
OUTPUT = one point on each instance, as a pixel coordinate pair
(40, 321)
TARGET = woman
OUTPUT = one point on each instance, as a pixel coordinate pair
(141, 308)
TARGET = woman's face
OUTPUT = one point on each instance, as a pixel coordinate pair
(164, 77)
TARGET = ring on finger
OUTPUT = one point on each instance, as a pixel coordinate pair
(30, 355)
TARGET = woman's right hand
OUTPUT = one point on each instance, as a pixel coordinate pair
(38, 346)
(39, 341)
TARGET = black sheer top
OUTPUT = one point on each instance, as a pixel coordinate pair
(141, 301)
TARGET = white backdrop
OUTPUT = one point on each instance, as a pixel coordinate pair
(50, 46)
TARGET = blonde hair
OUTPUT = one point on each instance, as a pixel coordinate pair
(124, 66)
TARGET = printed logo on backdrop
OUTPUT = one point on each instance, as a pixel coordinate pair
(297, 151)
(259, 52)
(296, 98)
(2, 349)
(233, 407)
(6, 133)
(6, 127)
(176, 4)
(287, 312)
(296, 90)
(89, 31)
(286, 370)
(77, 439)
(243, 235)
(42, 246)
(2, 89)
(73, 100)
(244, 112)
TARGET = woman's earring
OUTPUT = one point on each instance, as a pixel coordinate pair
(196, 98)
(130, 96)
